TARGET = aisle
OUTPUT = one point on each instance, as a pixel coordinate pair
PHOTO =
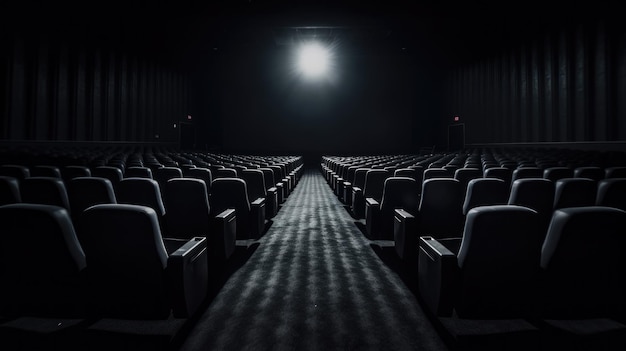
(313, 283)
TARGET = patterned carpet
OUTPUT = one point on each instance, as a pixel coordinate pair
(314, 282)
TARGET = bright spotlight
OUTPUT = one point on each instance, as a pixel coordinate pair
(313, 60)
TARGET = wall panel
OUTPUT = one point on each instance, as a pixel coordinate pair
(566, 86)
(58, 88)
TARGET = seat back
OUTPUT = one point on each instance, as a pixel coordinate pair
(200, 173)
(84, 192)
(138, 172)
(611, 192)
(526, 172)
(592, 172)
(42, 262)
(438, 172)
(45, 171)
(9, 190)
(359, 177)
(615, 172)
(399, 192)
(464, 175)
(72, 171)
(583, 263)
(499, 262)
(255, 183)
(18, 172)
(187, 208)
(558, 172)
(46, 191)
(114, 174)
(163, 174)
(127, 261)
(485, 191)
(441, 208)
(268, 176)
(374, 183)
(503, 173)
(141, 191)
(225, 173)
(228, 193)
(535, 193)
(574, 192)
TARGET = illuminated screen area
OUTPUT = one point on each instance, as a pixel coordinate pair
(313, 60)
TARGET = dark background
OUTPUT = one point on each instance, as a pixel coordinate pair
(132, 71)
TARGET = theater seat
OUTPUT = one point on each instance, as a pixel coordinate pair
(373, 187)
(45, 171)
(16, 171)
(42, 262)
(535, 193)
(138, 172)
(441, 208)
(611, 192)
(592, 172)
(9, 190)
(188, 215)
(199, 173)
(43, 290)
(46, 191)
(440, 215)
(131, 275)
(485, 191)
(144, 192)
(574, 192)
(558, 172)
(84, 192)
(484, 293)
(464, 175)
(114, 174)
(255, 184)
(497, 263)
(72, 171)
(582, 288)
(358, 201)
(398, 192)
(232, 193)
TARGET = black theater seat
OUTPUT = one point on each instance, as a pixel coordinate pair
(582, 287)
(483, 295)
(232, 193)
(137, 288)
(43, 294)
(398, 193)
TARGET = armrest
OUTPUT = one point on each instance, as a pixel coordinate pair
(338, 186)
(347, 193)
(438, 275)
(372, 211)
(405, 236)
(257, 218)
(223, 234)
(357, 202)
(281, 192)
(187, 270)
(271, 203)
(370, 201)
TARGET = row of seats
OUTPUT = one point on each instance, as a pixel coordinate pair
(122, 250)
(515, 263)
(62, 280)
(508, 277)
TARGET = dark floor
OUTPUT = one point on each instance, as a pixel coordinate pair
(315, 282)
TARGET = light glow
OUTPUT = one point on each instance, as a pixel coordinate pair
(313, 60)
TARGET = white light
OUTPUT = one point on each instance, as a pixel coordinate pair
(313, 60)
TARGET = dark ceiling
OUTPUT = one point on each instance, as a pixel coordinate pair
(188, 28)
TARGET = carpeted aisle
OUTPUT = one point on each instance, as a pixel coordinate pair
(313, 283)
